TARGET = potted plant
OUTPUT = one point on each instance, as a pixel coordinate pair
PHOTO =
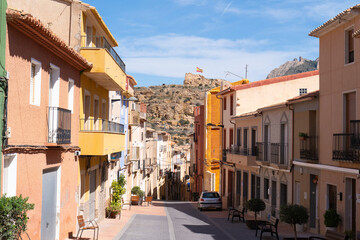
(118, 189)
(138, 192)
(303, 136)
(331, 219)
(255, 205)
(350, 234)
(294, 214)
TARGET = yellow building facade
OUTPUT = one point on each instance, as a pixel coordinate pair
(98, 137)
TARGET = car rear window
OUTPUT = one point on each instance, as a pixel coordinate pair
(211, 195)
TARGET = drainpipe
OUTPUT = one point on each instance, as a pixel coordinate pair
(3, 74)
(292, 168)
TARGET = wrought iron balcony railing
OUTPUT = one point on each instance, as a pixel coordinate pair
(309, 148)
(279, 153)
(101, 42)
(100, 125)
(346, 147)
(244, 151)
(262, 151)
(59, 125)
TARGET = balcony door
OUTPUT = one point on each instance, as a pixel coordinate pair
(96, 114)
(266, 142)
(54, 87)
(350, 204)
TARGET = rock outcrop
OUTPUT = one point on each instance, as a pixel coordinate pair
(296, 66)
(171, 107)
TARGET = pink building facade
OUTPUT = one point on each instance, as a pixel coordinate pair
(199, 142)
(40, 159)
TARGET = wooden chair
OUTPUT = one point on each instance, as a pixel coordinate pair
(87, 225)
(126, 203)
(135, 199)
(238, 214)
(331, 235)
(148, 200)
(270, 227)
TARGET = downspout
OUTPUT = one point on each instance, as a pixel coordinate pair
(3, 76)
(292, 170)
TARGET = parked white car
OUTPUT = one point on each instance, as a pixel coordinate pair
(210, 200)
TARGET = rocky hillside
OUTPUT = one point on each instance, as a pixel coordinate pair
(170, 107)
(296, 66)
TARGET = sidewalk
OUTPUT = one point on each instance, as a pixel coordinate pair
(237, 228)
(110, 228)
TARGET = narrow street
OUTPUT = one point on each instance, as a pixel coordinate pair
(183, 221)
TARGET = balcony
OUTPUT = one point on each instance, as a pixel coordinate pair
(309, 149)
(100, 137)
(134, 154)
(263, 152)
(279, 154)
(108, 69)
(59, 125)
(346, 147)
(242, 156)
(134, 118)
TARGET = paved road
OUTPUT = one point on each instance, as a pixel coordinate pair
(183, 221)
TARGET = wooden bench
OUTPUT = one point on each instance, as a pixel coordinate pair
(236, 213)
(332, 235)
(148, 200)
(270, 227)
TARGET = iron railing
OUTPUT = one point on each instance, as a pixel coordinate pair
(100, 125)
(59, 125)
(279, 153)
(262, 151)
(244, 151)
(346, 147)
(101, 42)
(309, 148)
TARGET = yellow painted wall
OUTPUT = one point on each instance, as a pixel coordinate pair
(101, 143)
(213, 150)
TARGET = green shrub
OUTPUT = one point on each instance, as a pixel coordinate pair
(13, 217)
(137, 191)
(331, 218)
(294, 214)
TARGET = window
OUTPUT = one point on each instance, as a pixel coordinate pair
(283, 194)
(245, 142)
(266, 188)
(238, 137)
(71, 95)
(350, 110)
(231, 137)
(231, 105)
(257, 187)
(302, 91)
(238, 182)
(224, 103)
(96, 113)
(224, 137)
(35, 82)
(9, 178)
(349, 46)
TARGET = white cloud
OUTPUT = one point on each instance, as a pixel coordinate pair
(174, 55)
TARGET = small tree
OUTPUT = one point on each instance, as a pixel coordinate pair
(294, 214)
(13, 216)
(118, 189)
(255, 205)
(137, 191)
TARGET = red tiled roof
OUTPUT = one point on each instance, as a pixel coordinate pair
(34, 29)
(313, 94)
(275, 80)
(314, 32)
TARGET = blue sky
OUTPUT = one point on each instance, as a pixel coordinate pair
(161, 40)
